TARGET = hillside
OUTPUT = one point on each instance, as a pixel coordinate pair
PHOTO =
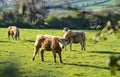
(79, 4)
(82, 4)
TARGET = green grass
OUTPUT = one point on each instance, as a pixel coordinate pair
(112, 2)
(16, 57)
(97, 7)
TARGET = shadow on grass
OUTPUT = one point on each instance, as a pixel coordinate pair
(85, 65)
(4, 41)
(73, 50)
(105, 52)
(12, 41)
(9, 41)
(29, 40)
(9, 71)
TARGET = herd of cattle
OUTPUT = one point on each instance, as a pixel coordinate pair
(52, 43)
(56, 44)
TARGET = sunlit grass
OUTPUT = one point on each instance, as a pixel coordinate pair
(77, 63)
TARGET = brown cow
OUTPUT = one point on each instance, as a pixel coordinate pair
(14, 32)
(49, 43)
(75, 37)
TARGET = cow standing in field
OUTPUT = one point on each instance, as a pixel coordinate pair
(49, 43)
(14, 32)
(75, 37)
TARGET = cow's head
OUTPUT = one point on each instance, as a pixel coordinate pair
(62, 42)
(67, 34)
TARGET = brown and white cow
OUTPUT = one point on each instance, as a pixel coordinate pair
(49, 43)
(75, 37)
(14, 32)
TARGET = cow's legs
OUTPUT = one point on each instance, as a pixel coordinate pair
(71, 40)
(54, 54)
(42, 54)
(36, 49)
(84, 46)
(60, 57)
(18, 36)
(71, 46)
(15, 37)
(81, 45)
(8, 36)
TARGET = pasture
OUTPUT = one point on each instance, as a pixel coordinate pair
(16, 56)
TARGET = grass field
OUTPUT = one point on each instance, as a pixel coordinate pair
(16, 57)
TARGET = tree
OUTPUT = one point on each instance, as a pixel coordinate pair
(31, 11)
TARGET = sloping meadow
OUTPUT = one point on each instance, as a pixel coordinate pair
(16, 56)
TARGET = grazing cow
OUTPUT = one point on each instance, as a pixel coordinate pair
(14, 32)
(75, 37)
(49, 43)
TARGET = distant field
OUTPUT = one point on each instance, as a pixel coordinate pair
(16, 56)
(83, 4)
(87, 4)
(94, 4)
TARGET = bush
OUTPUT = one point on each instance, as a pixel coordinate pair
(52, 21)
(9, 17)
(71, 21)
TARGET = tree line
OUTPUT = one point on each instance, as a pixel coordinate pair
(34, 14)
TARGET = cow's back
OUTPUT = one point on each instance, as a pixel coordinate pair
(43, 41)
(13, 30)
(80, 36)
